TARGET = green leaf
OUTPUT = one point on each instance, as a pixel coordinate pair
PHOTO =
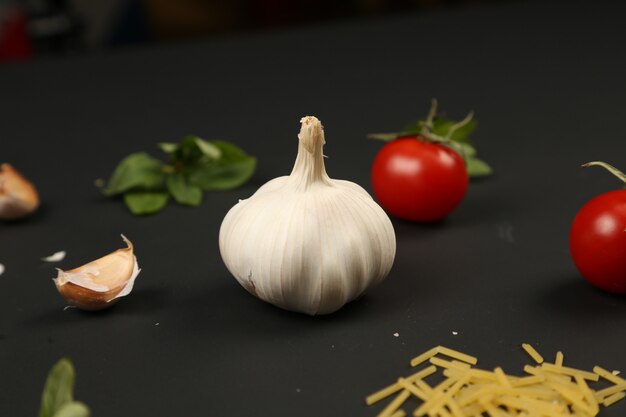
(137, 170)
(182, 191)
(58, 389)
(233, 169)
(146, 202)
(468, 150)
(167, 147)
(208, 149)
(73, 409)
(477, 167)
(415, 126)
(462, 134)
(223, 176)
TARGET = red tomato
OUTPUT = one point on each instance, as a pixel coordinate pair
(418, 180)
(597, 241)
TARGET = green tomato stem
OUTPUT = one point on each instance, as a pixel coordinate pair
(619, 174)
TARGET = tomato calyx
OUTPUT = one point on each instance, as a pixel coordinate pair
(616, 172)
(442, 131)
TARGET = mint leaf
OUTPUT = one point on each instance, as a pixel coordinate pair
(137, 170)
(477, 167)
(58, 389)
(182, 191)
(146, 202)
(73, 409)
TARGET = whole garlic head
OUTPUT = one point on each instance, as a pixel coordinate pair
(306, 242)
(100, 283)
(18, 196)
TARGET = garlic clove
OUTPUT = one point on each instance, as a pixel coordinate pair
(100, 283)
(18, 196)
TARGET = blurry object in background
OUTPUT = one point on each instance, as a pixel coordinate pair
(39, 27)
(59, 27)
(14, 41)
(54, 27)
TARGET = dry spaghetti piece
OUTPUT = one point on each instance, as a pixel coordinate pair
(548, 389)
(387, 391)
(532, 352)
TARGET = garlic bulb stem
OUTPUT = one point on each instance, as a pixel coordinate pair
(309, 166)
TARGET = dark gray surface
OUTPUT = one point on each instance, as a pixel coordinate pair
(548, 87)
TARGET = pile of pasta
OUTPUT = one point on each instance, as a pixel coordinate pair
(548, 389)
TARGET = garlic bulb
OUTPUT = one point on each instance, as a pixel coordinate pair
(98, 284)
(306, 242)
(18, 196)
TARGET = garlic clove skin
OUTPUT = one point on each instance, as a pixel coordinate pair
(100, 283)
(306, 242)
(18, 196)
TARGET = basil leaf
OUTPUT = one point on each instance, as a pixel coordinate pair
(58, 388)
(137, 170)
(146, 202)
(183, 192)
(169, 148)
(223, 176)
(208, 149)
(73, 409)
(477, 167)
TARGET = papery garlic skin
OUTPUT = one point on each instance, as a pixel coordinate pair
(18, 196)
(100, 283)
(306, 242)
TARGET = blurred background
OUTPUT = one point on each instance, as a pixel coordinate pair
(35, 28)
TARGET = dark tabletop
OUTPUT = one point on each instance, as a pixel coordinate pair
(547, 82)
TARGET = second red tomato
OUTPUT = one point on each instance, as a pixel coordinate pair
(418, 180)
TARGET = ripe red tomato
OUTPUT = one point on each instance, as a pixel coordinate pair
(598, 241)
(418, 180)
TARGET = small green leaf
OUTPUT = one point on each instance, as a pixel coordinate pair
(137, 170)
(415, 126)
(167, 147)
(182, 191)
(146, 202)
(73, 409)
(468, 150)
(477, 167)
(208, 149)
(462, 134)
(58, 389)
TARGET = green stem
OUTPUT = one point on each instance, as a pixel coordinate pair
(428, 124)
(459, 125)
(619, 174)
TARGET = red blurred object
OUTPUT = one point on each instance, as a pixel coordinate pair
(14, 41)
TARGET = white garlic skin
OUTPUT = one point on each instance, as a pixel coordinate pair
(305, 242)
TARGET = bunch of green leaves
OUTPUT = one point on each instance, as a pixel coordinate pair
(57, 399)
(195, 165)
(454, 134)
